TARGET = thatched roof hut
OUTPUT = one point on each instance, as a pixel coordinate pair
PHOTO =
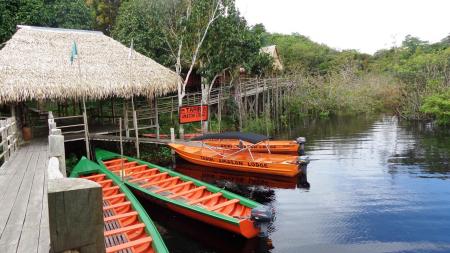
(273, 52)
(35, 65)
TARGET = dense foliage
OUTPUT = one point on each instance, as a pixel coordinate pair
(229, 42)
(415, 76)
(51, 13)
(105, 12)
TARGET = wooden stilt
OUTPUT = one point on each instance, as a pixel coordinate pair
(126, 119)
(156, 117)
(121, 148)
(86, 130)
(256, 99)
(219, 109)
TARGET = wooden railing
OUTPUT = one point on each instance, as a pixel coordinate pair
(246, 87)
(8, 141)
(71, 125)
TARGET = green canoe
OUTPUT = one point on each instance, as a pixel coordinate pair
(189, 196)
(127, 224)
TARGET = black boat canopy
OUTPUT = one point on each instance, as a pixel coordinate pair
(249, 137)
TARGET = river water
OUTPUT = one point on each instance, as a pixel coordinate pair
(376, 185)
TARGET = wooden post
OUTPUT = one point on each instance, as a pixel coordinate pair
(219, 108)
(121, 148)
(277, 119)
(239, 100)
(264, 95)
(86, 130)
(56, 148)
(4, 132)
(75, 211)
(136, 129)
(172, 134)
(16, 132)
(244, 108)
(156, 118)
(172, 139)
(125, 121)
(256, 99)
(171, 110)
(181, 133)
(136, 132)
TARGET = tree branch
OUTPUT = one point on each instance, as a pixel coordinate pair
(199, 44)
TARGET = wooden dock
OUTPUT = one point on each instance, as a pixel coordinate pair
(24, 225)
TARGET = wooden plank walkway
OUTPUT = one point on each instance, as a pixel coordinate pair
(24, 223)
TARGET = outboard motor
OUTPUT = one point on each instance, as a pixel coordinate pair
(262, 216)
(303, 162)
(301, 149)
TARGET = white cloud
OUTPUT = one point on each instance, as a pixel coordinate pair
(366, 25)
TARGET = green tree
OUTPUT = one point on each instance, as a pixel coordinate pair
(7, 19)
(52, 13)
(299, 53)
(438, 106)
(106, 12)
(138, 20)
(72, 14)
(413, 43)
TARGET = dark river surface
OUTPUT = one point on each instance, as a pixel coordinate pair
(376, 185)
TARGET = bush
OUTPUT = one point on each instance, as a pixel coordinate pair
(342, 93)
(438, 106)
(259, 125)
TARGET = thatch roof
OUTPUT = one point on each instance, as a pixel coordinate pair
(35, 64)
(273, 52)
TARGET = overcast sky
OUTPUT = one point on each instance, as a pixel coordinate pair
(365, 25)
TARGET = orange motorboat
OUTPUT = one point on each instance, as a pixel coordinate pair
(242, 159)
(279, 164)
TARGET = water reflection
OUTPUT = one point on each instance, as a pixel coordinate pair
(219, 176)
(378, 185)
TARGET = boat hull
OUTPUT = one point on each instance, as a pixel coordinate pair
(245, 228)
(282, 169)
(208, 213)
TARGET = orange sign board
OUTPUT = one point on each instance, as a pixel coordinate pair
(194, 113)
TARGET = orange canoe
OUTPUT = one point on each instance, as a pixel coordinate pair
(278, 146)
(275, 164)
(188, 196)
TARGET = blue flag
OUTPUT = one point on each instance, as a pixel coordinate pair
(74, 53)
